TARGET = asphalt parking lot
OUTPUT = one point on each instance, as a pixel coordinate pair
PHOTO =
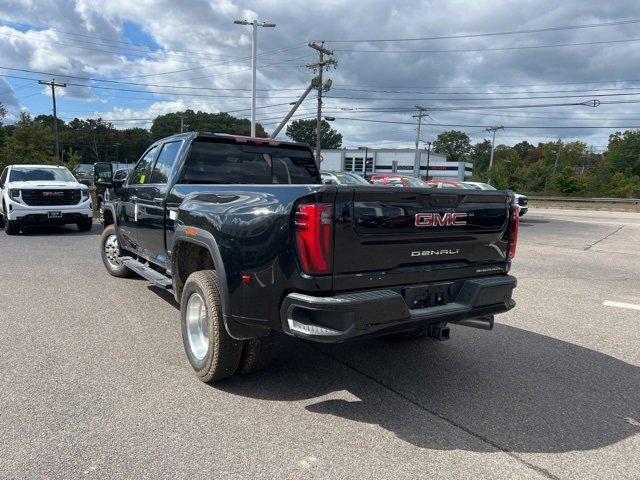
(95, 382)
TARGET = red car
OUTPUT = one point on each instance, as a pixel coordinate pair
(445, 183)
(395, 180)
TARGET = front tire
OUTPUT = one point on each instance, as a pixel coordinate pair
(11, 227)
(211, 351)
(111, 253)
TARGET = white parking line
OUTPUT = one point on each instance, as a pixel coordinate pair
(630, 306)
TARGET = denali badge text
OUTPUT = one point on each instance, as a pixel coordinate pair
(449, 219)
(428, 253)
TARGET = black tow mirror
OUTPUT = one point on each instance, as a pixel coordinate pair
(103, 174)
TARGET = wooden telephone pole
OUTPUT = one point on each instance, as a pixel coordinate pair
(53, 86)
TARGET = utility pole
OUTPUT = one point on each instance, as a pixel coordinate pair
(284, 121)
(53, 86)
(322, 63)
(555, 165)
(182, 122)
(422, 112)
(493, 143)
(428, 158)
(254, 48)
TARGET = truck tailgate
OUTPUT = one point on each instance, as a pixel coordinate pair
(389, 231)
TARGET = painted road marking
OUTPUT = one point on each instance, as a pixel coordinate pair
(630, 306)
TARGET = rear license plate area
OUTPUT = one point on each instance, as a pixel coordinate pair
(55, 214)
(427, 296)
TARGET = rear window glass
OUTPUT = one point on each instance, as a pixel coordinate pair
(216, 162)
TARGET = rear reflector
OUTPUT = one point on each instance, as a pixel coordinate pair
(514, 228)
(314, 237)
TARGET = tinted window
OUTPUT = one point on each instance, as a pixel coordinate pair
(26, 174)
(215, 162)
(164, 164)
(141, 173)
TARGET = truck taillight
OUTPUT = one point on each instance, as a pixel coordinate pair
(514, 228)
(314, 237)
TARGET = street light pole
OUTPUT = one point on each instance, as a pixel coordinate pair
(254, 49)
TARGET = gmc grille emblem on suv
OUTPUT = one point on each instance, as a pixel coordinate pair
(52, 194)
(448, 219)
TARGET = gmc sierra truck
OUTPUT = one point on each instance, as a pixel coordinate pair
(251, 242)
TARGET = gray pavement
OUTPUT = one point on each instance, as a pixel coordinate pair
(94, 382)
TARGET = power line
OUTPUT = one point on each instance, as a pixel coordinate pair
(493, 49)
(489, 126)
(493, 34)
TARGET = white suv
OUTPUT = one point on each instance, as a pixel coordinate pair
(43, 195)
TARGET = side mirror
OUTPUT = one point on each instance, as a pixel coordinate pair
(327, 181)
(103, 174)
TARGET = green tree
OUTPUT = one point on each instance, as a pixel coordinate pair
(568, 183)
(304, 131)
(29, 143)
(480, 155)
(624, 186)
(523, 148)
(623, 152)
(454, 144)
(169, 124)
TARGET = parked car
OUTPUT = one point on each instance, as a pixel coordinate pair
(445, 183)
(395, 180)
(84, 174)
(119, 175)
(251, 242)
(342, 178)
(43, 195)
(521, 200)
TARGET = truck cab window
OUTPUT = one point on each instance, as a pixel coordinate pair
(218, 162)
(141, 173)
(164, 164)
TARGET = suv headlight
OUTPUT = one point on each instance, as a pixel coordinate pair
(14, 193)
(85, 193)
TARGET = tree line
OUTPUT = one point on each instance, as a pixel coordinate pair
(551, 168)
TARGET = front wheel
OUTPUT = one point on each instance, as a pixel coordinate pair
(111, 253)
(11, 227)
(211, 351)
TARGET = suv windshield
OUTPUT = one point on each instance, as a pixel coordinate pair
(220, 162)
(41, 174)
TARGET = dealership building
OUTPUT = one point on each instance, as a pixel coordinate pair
(393, 160)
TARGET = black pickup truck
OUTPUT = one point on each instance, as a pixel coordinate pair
(251, 242)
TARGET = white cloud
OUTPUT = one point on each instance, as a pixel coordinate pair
(199, 42)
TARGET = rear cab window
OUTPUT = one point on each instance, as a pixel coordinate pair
(220, 161)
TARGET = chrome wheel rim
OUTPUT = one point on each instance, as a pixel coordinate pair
(197, 326)
(112, 250)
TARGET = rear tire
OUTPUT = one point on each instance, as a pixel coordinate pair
(85, 224)
(257, 354)
(211, 351)
(111, 252)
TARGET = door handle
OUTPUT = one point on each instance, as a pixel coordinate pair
(158, 199)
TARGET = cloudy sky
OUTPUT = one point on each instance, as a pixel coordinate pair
(503, 63)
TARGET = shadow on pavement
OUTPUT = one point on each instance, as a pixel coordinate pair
(520, 390)
(59, 230)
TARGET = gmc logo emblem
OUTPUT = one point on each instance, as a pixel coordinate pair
(52, 194)
(448, 219)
